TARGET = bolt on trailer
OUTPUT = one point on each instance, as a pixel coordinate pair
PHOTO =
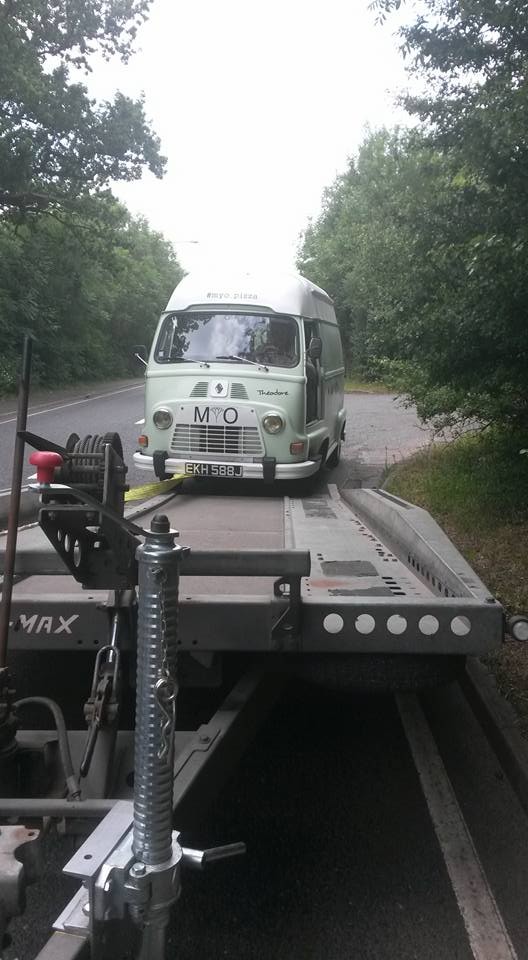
(317, 587)
(245, 379)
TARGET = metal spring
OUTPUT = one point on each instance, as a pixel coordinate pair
(158, 611)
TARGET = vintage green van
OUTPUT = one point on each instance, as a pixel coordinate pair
(245, 379)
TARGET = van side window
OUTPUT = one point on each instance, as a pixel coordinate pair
(333, 350)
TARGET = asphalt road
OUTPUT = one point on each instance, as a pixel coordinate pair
(380, 430)
(108, 407)
(343, 861)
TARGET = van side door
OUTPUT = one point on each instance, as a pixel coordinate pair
(313, 375)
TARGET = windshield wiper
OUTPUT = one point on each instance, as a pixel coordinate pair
(244, 360)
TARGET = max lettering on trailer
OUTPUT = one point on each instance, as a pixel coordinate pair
(38, 624)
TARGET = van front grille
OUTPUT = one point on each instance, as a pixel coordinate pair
(199, 389)
(238, 392)
(202, 439)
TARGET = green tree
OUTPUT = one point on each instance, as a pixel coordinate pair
(426, 233)
(87, 286)
(362, 247)
(473, 55)
(56, 142)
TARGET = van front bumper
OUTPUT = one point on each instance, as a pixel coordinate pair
(251, 471)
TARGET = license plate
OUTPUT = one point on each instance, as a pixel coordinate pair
(213, 470)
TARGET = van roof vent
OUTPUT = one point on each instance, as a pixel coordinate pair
(199, 389)
(238, 391)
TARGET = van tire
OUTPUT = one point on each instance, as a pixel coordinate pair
(335, 457)
(323, 454)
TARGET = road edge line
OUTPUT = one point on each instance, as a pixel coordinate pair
(486, 930)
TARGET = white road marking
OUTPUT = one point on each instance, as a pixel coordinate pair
(487, 934)
(139, 422)
(74, 403)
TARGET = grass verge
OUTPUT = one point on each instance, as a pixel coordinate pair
(477, 489)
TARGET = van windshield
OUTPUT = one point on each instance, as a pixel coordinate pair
(231, 337)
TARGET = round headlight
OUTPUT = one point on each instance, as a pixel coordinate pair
(272, 423)
(162, 419)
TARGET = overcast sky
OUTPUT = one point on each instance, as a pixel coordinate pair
(258, 107)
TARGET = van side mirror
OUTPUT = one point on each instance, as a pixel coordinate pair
(315, 348)
(140, 353)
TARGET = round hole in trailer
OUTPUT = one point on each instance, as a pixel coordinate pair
(333, 623)
(396, 624)
(460, 626)
(365, 623)
(428, 625)
(77, 554)
(67, 542)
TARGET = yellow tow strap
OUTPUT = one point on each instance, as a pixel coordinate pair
(153, 489)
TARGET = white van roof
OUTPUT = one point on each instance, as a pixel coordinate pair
(280, 292)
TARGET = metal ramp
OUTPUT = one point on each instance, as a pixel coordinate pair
(386, 579)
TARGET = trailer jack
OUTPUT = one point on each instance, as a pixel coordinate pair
(135, 882)
(124, 900)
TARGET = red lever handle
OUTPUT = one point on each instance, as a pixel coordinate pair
(45, 461)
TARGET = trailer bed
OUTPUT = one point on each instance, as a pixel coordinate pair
(384, 579)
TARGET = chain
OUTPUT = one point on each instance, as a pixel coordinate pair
(166, 687)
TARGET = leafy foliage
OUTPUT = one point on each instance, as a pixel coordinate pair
(56, 143)
(86, 279)
(423, 241)
(87, 286)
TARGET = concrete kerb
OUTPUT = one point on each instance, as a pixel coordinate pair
(500, 724)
